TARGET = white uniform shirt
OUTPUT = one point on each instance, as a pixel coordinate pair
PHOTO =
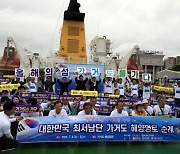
(53, 113)
(134, 89)
(121, 88)
(4, 124)
(146, 92)
(166, 110)
(32, 87)
(149, 110)
(108, 87)
(66, 107)
(82, 113)
(115, 113)
(177, 92)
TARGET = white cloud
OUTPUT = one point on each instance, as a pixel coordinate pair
(154, 25)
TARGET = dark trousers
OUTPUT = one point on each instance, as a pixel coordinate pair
(7, 143)
(14, 127)
(140, 93)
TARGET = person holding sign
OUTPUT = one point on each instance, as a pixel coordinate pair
(87, 110)
(146, 91)
(118, 112)
(177, 98)
(17, 81)
(81, 84)
(108, 85)
(49, 83)
(36, 109)
(94, 84)
(32, 85)
(134, 88)
(120, 86)
(64, 85)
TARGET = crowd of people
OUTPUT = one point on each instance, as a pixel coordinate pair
(64, 107)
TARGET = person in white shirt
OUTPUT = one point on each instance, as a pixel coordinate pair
(87, 110)
(147, 108)
(177, 98)
(120, 86)
(162, 109)
(118, 112)
(33, 87)
(134, 88)
(58, 110)
(108, 85)
(146, 91)
(7, 142)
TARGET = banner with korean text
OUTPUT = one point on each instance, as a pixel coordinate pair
(98, 128)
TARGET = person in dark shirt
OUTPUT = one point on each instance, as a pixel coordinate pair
(64, 85)
(49, 84)
(94, 84)
(81, 84)
(17, 81)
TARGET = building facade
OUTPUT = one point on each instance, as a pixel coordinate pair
(178, 60)
(152, 62)
(169, 62)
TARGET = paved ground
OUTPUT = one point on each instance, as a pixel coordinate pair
(98, 148)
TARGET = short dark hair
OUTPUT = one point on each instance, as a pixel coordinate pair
(4, 99)
(64, 77)
(122, 96)
(21, 87)
(14, 97)
(57, 102)
(161, 97)
(32, 101)
(93, 98)
(119, 102)
(8, 106)
(80, 76)
(115, 90)
(5, 91)
(86, 104)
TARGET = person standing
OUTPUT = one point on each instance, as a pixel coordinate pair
(48, 84)
(64, 85)
(177, 98)
(134, 88)
(120, 86)
(7, 142)
(146, 91)
(81, 83)
(94, 84)
(32, 85)
(108, 85)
